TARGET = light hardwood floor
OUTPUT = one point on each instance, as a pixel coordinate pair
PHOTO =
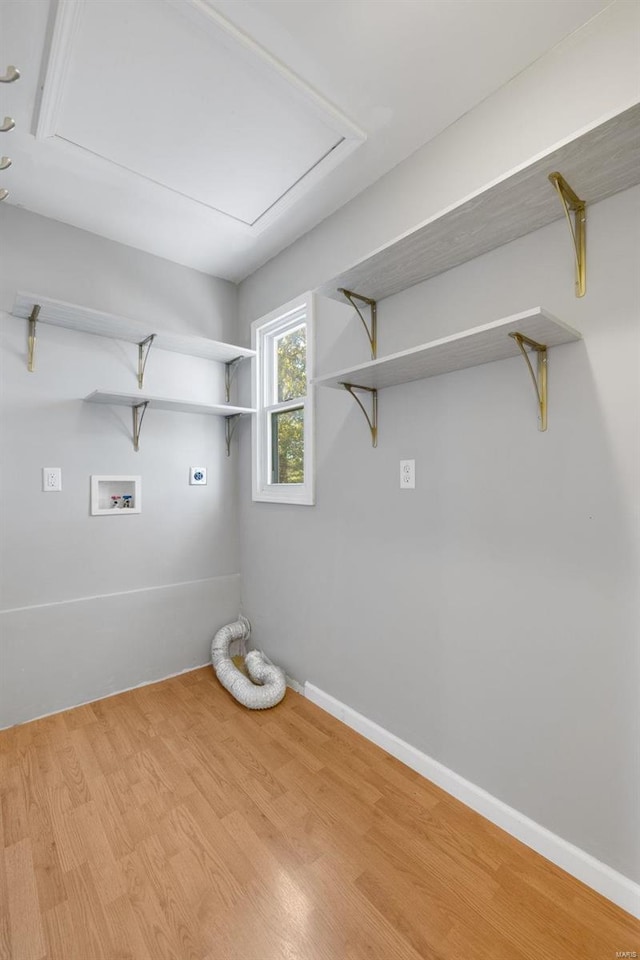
(170, 822)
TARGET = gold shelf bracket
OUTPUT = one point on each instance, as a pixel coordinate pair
(372, 328)
(31, 338)
(10, 75)
(144, 348)
(138, 416)
(230, 369)
(571, 203)
(373, 419)
(539, 381)
(230, 424)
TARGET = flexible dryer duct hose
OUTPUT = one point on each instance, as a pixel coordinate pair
(267, 685)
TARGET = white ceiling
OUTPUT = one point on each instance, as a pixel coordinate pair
(224, 125)
(215, 132)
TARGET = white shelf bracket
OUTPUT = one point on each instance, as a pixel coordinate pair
(230, 369)
(230, 424)
(539, 382)
(143, 355)
(372, 419)
(372, 328)
(138, 416)
(31, 338)
(571, 203)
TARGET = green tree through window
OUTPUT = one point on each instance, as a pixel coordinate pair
(282, 449)
(287, 432)
(292, 365)
(287, 427)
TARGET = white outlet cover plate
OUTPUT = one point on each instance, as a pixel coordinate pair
(51, 479)
(197, 476)
(407, 474)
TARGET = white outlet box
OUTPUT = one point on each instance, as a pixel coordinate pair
(197, 475)
(407, 474)
(113, 496)
(51, 479)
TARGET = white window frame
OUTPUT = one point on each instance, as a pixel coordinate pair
(264, 334)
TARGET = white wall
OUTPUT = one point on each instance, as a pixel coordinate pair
(91, 605)
(490, 618)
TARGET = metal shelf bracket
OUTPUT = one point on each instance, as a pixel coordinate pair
(539, 382)
(230, 369)
(143, 355)
(372, 330)
(571, 203)
(138, 416)
(10, 75)
(230, 424)
(373, 419)
(31, 338)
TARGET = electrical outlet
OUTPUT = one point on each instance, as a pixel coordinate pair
(407, 474)
(197, 475)
(51, 479)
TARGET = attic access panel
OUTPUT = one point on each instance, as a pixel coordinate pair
(171, 91)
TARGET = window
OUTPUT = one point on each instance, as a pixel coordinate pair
(283, 468)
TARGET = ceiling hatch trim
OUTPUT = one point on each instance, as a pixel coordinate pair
(63, 37)
(66, 24)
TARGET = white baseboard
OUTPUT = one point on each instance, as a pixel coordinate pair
(606, 881)
(295, 685)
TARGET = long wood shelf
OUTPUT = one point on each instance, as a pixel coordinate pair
(86, 320)
(139, 403)
(601, 160)
(535, 329)
(472, 347)
(37, 309)
(166, 403)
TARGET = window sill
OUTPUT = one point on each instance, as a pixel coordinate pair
(303, 498)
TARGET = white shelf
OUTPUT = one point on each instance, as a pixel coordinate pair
(531, 331)
(139, 403)
(466, 349)
(85, 320)
(37, 309)
(601, 160)
(166, 403)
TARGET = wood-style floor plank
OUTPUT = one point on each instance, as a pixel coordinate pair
(5, 941)
(26, 935)
(169, 823)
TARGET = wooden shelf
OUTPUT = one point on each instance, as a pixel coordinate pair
(140, 403)
(533, 330)
(166, 403)
(467, 349)
(36, 309)
(85, 320)
(601, 160)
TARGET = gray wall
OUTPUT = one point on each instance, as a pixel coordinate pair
(490, 617)
(91, 605)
